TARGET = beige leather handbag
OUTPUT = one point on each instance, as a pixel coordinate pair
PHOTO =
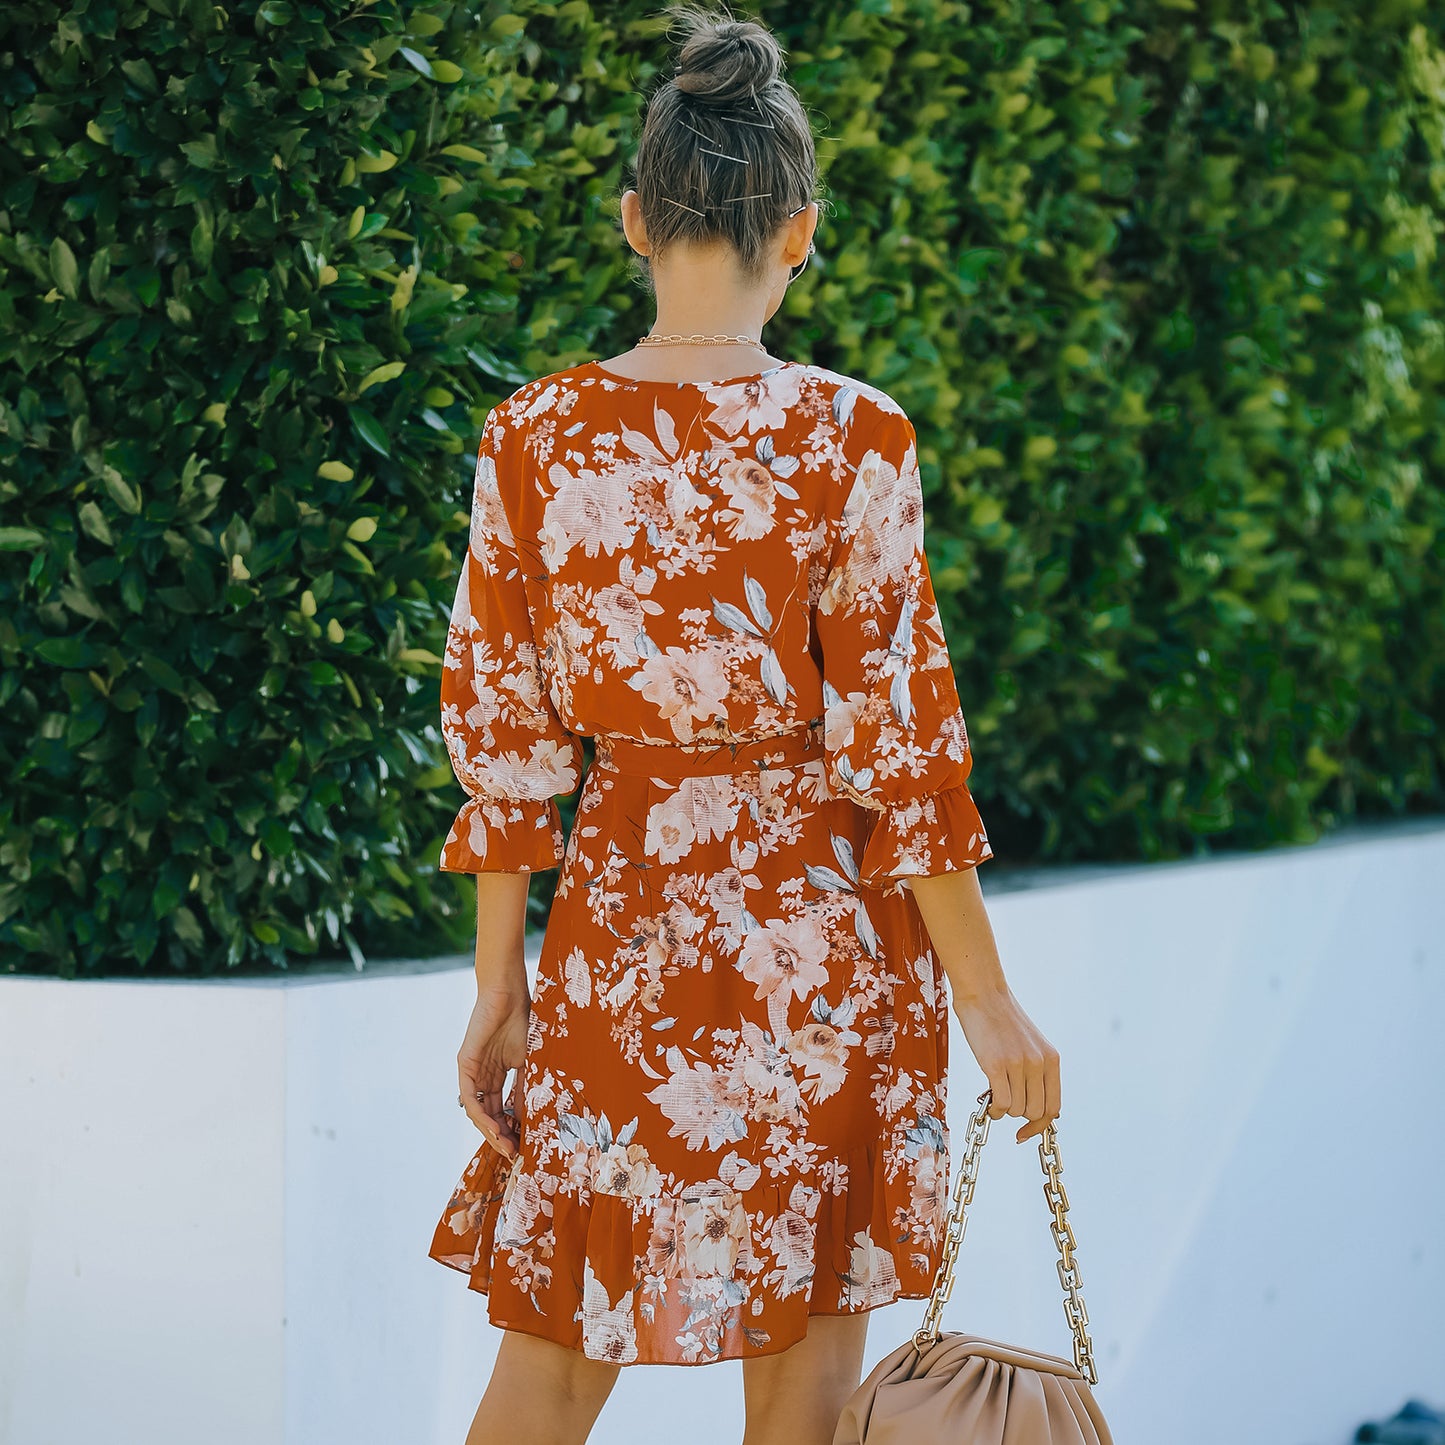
(957, 1389)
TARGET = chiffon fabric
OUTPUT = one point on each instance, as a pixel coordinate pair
(732, 1108)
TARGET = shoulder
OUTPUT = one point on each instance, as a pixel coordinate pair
(538, 397)
(858, 405)
(872, 423)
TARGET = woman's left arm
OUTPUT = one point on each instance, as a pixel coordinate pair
(496, 1036)
(501, 934)
(513, 755)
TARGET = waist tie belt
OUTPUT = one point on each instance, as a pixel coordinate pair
(628, 755)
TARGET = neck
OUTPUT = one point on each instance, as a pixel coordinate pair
(693, 298)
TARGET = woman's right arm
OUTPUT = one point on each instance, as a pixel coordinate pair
(1021, 1065)
(896, 743)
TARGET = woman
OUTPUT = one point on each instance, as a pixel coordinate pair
(725, 1137)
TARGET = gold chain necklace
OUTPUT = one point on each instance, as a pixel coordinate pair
(698, 339)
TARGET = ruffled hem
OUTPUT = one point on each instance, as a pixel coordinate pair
(607, 1291)
(938, 833)
(510, 835)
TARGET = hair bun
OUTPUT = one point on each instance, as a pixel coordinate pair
(725, 60)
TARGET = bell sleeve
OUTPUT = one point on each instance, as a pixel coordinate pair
(894, 734)
(508, 747)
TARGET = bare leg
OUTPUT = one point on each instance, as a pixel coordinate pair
(541, 1393)
(796, 1396)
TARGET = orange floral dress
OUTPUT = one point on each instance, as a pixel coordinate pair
(731, 1111)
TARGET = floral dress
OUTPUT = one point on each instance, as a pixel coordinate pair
(731, 1111)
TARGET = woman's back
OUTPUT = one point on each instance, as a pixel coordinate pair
(735, 1080)
(702, 564)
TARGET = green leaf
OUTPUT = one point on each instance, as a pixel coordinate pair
(93, 521)
(68, 652)
(201, 152)
(187, 927)
(20, 539)
(370, 431)
(140, 74)
(63, 269)
(465, 153)
(159, 670)
(126, 497)
(387, 372)
(493, 365)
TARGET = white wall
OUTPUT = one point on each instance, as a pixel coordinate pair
(216, 1198)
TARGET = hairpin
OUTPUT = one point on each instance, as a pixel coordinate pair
(760, 124)
(756, 196)
(709, 139)
(741, 160)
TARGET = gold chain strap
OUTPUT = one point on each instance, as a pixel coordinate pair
(1074, 1311)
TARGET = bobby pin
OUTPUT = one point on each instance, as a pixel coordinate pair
(696, 131)
(741, 160)
(727, 200)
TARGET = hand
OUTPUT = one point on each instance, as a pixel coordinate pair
(1021, 1065)
(495, 1041)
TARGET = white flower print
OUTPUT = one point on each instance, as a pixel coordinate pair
(787, 955)
(620, 610)
(670, 831)
(711, 802)
(760, 404)
(694, 1099)
(791, 1238)
(713, 1230)
(687, 687)
(549, 768)
(608, 1333)
(625, 1170)
(821, 1051)
(591, 509)
(579, 978)
(490, 525)
(872, 1277)
(751, 496)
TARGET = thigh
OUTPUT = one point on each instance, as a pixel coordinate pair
(541, 1391)
(796, 1396)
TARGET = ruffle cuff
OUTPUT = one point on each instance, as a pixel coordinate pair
(504, 835)
(920, 837)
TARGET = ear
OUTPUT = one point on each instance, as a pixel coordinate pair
(632, 226)
(799, 235)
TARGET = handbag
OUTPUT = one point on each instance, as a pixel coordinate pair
(960, 1389)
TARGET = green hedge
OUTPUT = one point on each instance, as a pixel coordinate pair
(1157, 282)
